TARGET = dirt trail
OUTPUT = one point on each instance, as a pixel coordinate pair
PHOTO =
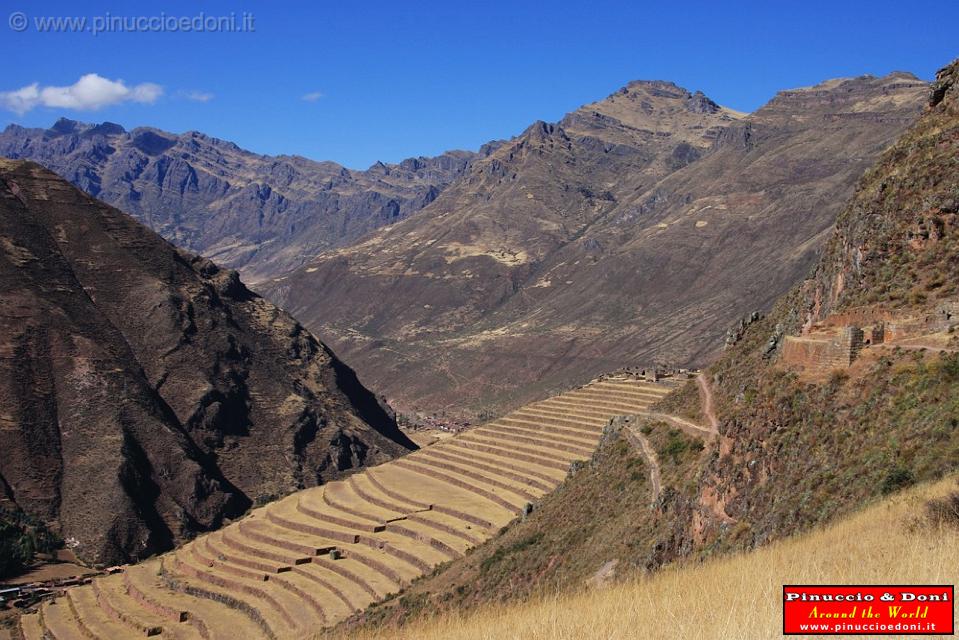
(707, 396)
(709, 499)
(641, 444)
(682, 423)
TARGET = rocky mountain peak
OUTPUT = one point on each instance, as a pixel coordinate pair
(699, 103)
(541, 131)
(555, 259)
(379, 168)
(666, 92)
(106, 129)
(946, 85)
(65, 126)
(665, 88)
(851, 95)
(903, 75)
(906, 212)
(643, 108)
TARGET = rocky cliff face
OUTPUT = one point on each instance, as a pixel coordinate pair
(263, 215)
(147, 394)
(896, 245)
(635, 230)
(802, 449)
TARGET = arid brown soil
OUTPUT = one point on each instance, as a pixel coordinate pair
(636, 230)
(146, 394)
(792, 453)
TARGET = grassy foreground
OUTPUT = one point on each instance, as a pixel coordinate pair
(737, 597)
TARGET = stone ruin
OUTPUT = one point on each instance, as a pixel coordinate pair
(653, 373)
(824, 352)
(836, 342)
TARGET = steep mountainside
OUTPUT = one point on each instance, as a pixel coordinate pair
(795, 448)
(635, 230)
(147, 394)
(888, 414)
(263, 215)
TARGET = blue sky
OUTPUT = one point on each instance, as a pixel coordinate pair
(390, 80)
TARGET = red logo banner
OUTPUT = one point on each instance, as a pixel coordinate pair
(868, 609)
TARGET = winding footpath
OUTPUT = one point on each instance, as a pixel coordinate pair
(641, 444)
(682, 423)
(707, 399)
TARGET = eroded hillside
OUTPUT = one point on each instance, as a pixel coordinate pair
(887, 415)
(147, 394)
(635, 230)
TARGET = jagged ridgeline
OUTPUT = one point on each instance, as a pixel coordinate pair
(261, 214)
(635, 230)
(798, 443)
(147, 394)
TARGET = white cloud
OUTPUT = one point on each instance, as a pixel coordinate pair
(21, 100)
(313, 96)
(197, 96)
(89, 93)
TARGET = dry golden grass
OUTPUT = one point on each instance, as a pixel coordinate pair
(735, 598)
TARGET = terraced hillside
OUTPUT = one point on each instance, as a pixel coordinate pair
(314, 558)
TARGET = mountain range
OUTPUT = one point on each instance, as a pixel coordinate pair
(633, 232)
(263, 215)
(793, 446)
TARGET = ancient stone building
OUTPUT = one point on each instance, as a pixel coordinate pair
(824, 352)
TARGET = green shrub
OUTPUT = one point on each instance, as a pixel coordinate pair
(950, 367)
(21, 537)
(896, 479)
(677, 445)
(16, 550)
